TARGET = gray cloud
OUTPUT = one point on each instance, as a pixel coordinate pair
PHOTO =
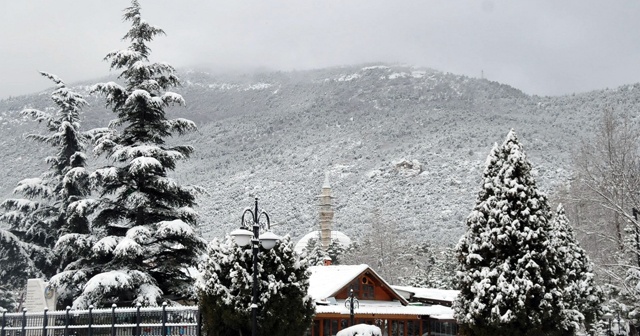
(543, 47)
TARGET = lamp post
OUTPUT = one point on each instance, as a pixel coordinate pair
(249, 233)
(352, 303)
(608, 317)
(618, 319)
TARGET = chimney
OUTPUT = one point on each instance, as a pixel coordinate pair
(327, 261)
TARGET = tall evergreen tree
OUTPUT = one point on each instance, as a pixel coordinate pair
(226, 290)
(582, 295)
(335, 250)
(313, 253)
(51, 206)
(144, 223)
(509, 284)
(17, 267)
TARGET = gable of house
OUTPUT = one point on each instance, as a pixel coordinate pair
(337, 281)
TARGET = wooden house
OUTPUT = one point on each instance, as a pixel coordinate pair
(378, 304)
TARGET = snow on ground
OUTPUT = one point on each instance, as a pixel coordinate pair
(360, 330)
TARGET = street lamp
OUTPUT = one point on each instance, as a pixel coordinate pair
(618, 320)
(352, 303)
(608, 317)
(243, 237)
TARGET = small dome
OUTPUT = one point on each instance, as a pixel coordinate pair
(342, 238)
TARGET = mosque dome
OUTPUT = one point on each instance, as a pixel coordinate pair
(338, 236)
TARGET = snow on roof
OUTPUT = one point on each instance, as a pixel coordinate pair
(342, 238)
(430, 293)
(369, 307)
(325, 281)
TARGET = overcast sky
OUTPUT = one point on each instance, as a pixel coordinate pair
(541, 47)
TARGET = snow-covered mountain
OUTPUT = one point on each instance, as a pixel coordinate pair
(410, 143)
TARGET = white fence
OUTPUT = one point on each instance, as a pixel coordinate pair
(150, 321)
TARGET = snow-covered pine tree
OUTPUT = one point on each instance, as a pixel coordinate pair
(443, 275)
(51, 205)
(439, 274)
(507, 280)
(582, 296)
(313, 253)
(145, 220)
(335, 250)
(433, 268)
(420, 266)
(225, 290)
(16, 268)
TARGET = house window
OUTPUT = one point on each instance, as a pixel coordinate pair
(443, 328)
(344, 323)
(363, 288)
(330, 327)
(367, 292)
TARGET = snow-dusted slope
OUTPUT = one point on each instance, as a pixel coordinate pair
(409, 142)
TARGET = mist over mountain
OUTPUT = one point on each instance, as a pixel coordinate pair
(410, 143)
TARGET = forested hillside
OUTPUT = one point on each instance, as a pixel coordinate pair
(409, 143)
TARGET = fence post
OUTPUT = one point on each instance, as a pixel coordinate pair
(4, 322)
(137, 319)
(90, 320)
(45, 321)
(164, 318)
(113, 319)
(66, 322)
(199, 330)
(24, 320)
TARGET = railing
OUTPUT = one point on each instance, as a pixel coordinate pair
(149, 321)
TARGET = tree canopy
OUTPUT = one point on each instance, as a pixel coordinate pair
(509, 281)
(226, 290)
(143, 242)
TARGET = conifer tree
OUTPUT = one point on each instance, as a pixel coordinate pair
(335, 250)
(52, 204)
(444, 268)
(145, 240)
(17, 267)
(582, 295)
(437, 270)
(226, 290)
(313, 253)
(509, 284)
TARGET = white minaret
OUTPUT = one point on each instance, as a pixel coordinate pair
(326, 213)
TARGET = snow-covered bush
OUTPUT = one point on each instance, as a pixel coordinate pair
(226, 290)
(360, 330)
